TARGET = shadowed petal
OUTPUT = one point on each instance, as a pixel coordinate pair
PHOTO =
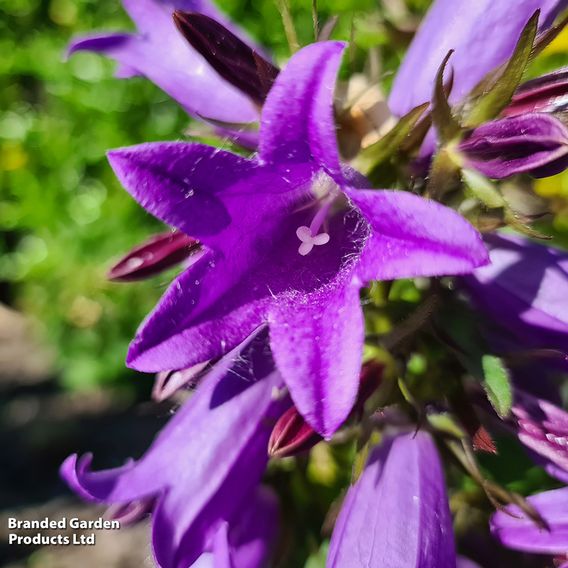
(514, 530)
(297, 123)
(397, 514)
(464, 26)
(205, 462)
(414, 237)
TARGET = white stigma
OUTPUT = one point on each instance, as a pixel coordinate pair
(309, 240)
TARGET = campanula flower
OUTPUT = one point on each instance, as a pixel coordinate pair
(289, 241)
(482, 34)
(204, 467)
(160, 53)
(523, 290)
(515, 530)
(397, 514)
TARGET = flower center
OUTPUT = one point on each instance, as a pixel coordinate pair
(326, 191)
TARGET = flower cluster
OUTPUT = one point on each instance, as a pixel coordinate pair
(279, 243)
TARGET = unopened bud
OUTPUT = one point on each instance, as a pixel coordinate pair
(157, 254)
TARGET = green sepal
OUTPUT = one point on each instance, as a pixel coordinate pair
(372, 157)
(447, 126)
(483, 189)
(496, 90)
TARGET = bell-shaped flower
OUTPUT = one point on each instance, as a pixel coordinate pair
(288, 242)
(204, 467)
(159, 52)
(524, 290)
(534, 143)
(514, 529)
(463, 26)
(397, 513)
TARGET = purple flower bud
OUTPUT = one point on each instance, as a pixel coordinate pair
(292, 435)
(534, 143)
(157, 254)
(548, 93)
(233, 59)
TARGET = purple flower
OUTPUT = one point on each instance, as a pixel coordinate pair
(534, 143)
(515, 530)
(397, 514)
(524, 290)
(204, 467)
(543, 427)
(483, 34)
(548, 93)
(249, 541)
(289, 242)
(160, 53)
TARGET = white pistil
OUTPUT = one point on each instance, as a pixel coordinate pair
(309, 240)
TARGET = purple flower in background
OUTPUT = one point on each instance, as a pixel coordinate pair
(160, 53)
(534, 143)
(543, 427)
(397, 514)
(524, 290)
(289, 241)
(515, 530)
(483, 34)
(204, 467)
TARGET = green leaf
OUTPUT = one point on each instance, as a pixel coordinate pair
(370, 158)
(447, 126)
(497, 384)
(494, 93)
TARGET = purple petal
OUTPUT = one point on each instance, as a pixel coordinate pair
(317, 341)
(464, 26)
(205, 477)
(212, 195)
(514, 530)
(414, 237)
(297, 123)
(160, 53)
(542, 427)
(524, 289)
(530, 143)
(397, 514)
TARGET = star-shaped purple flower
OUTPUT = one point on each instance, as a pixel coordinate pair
(290, 237)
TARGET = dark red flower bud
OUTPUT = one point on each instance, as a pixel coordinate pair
(232, 58)
(157, 254)
(292, 435)
(548, 93)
